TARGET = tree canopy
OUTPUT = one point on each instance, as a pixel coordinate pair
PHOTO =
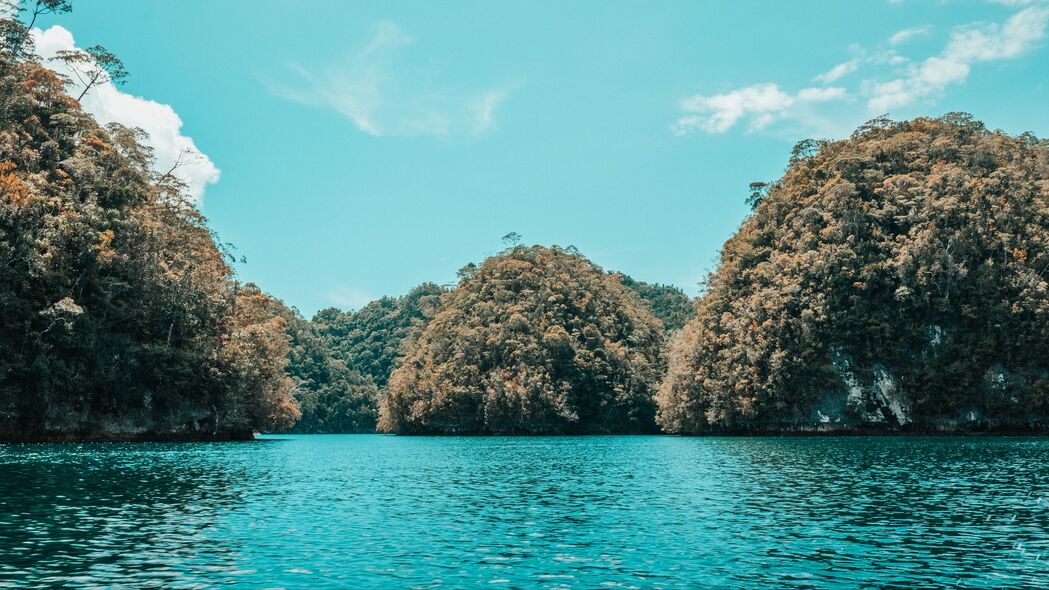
(534, 339)
(342, 360)
(670, 304)
(332, 397)
(119, 314)
(894, 279)
(369, 340)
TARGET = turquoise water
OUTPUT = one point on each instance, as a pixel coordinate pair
(575, 512)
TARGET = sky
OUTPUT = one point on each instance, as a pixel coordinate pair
(351, 150)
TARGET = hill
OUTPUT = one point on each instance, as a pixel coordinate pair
(534, 340)
(120, 316)
(895, 280)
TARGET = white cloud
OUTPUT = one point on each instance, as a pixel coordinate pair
(967, 46)
(820, 94)
(839, 71)
(893, 81)
(350, 298)
(861, 57)
(378, 99)
(887, 57)
(484, 109)
(762, 103)
(907, 34)
(991, 42)
(109, 104)
(1018, 3)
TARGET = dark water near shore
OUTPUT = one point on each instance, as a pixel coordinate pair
(588, 512)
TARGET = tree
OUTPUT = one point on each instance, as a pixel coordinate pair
(758, 192)
(255, 357)
(93, 66)
(668, 303)
(15, 34)
(512, 239)
(805, 149)
(42, 7)
(332, 398)
(370, 340)
(341, 361)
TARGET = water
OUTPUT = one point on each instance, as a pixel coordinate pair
(587, 512)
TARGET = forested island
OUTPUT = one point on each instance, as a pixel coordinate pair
(894, 281)
(534, 340)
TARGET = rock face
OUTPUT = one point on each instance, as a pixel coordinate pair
(100, 435)
(534, 340)
(894, 281)
(67, 423)
(876, 400)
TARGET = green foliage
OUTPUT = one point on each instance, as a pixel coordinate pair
(512, 239)
(119, 315)
(758, 192)
(668, 303)
(341, 361)
(533, 340)
(369, 340)
(15, 41)
(333, 398)
(93, 66)
(897, 278)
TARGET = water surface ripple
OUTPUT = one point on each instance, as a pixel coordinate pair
(543, 512)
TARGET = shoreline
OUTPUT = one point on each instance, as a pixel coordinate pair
(145, 437)
(152, 437)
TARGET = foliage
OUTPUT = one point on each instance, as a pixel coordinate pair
(118, 312)
(902, 271)
(668, 303)
(341, 361)
(370, 340)
(758, 192)
(333, 398)
(256, 391)
(93, 66)
(512, 239)
(533, 340)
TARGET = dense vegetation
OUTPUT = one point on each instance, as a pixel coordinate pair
(895, 279)
(119, 315)
(369, 340)
(341, 361)
(668, 303)
(533, 340)
(332, 397)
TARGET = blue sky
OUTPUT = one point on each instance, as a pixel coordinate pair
(352, 150)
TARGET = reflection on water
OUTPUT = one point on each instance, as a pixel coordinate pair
(647, 512)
